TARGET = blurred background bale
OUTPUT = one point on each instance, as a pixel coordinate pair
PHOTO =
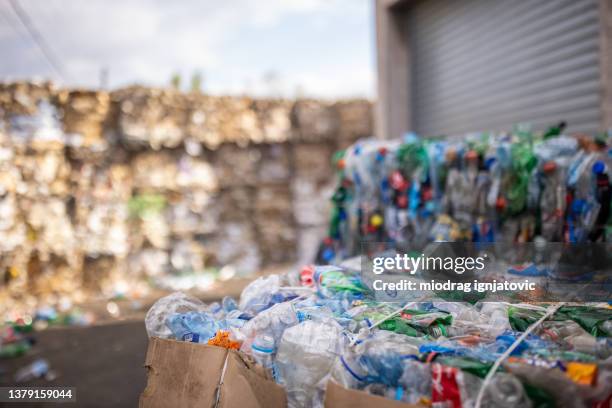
(143, 183)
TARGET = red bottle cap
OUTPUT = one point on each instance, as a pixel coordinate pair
(471, 155)
(549, 167)
(402, 201)
(397, 181)
(306, 275)
(500, 204)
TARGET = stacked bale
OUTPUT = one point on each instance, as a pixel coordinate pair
(96, 186)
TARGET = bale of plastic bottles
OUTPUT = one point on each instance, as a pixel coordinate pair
(321, 325)
(508, 187)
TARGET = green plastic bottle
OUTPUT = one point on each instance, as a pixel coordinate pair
(17, 349)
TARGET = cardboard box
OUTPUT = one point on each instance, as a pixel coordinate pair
(182, 374)
(337, 396)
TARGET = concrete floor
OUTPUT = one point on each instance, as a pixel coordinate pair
(105, 363)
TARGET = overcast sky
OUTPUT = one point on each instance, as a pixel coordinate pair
(319, 48)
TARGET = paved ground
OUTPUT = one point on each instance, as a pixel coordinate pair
(105, 363)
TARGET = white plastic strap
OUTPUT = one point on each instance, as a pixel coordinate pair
(218, 396)
(551, 310)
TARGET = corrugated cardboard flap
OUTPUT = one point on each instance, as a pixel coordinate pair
(337, 396)
(244, 388)
(182, 374)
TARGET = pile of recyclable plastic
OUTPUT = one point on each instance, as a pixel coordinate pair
(109, 192)
(322, 324)
(510, 187)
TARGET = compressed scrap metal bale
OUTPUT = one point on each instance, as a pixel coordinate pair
(314, 121)
(151, 117)
(85, 113)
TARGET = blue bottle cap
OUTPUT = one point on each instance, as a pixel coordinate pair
(598, 167)
(328, 254)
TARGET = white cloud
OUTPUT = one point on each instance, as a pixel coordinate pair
(146, 41)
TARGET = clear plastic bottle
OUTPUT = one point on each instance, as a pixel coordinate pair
(305, 355)
(193, 327)
(37, 369)
(177, 302)
(347, 371)
(229, 304)
(383, 353)
(416, 381)
(497, 314)
(257, 295)
(262, 350)
(506, 391)
(271, 322)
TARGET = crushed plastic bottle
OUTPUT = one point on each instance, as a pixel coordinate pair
(382, 356)
(262, 294)
(37, 369)
(193, 326)
(506, 391)
(430, 352)
(271, 322)
(481, 188)
(262, 350)
(305, 355)
(177, 302)
(416, 381)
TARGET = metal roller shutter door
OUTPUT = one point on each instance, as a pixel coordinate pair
(489, 64)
